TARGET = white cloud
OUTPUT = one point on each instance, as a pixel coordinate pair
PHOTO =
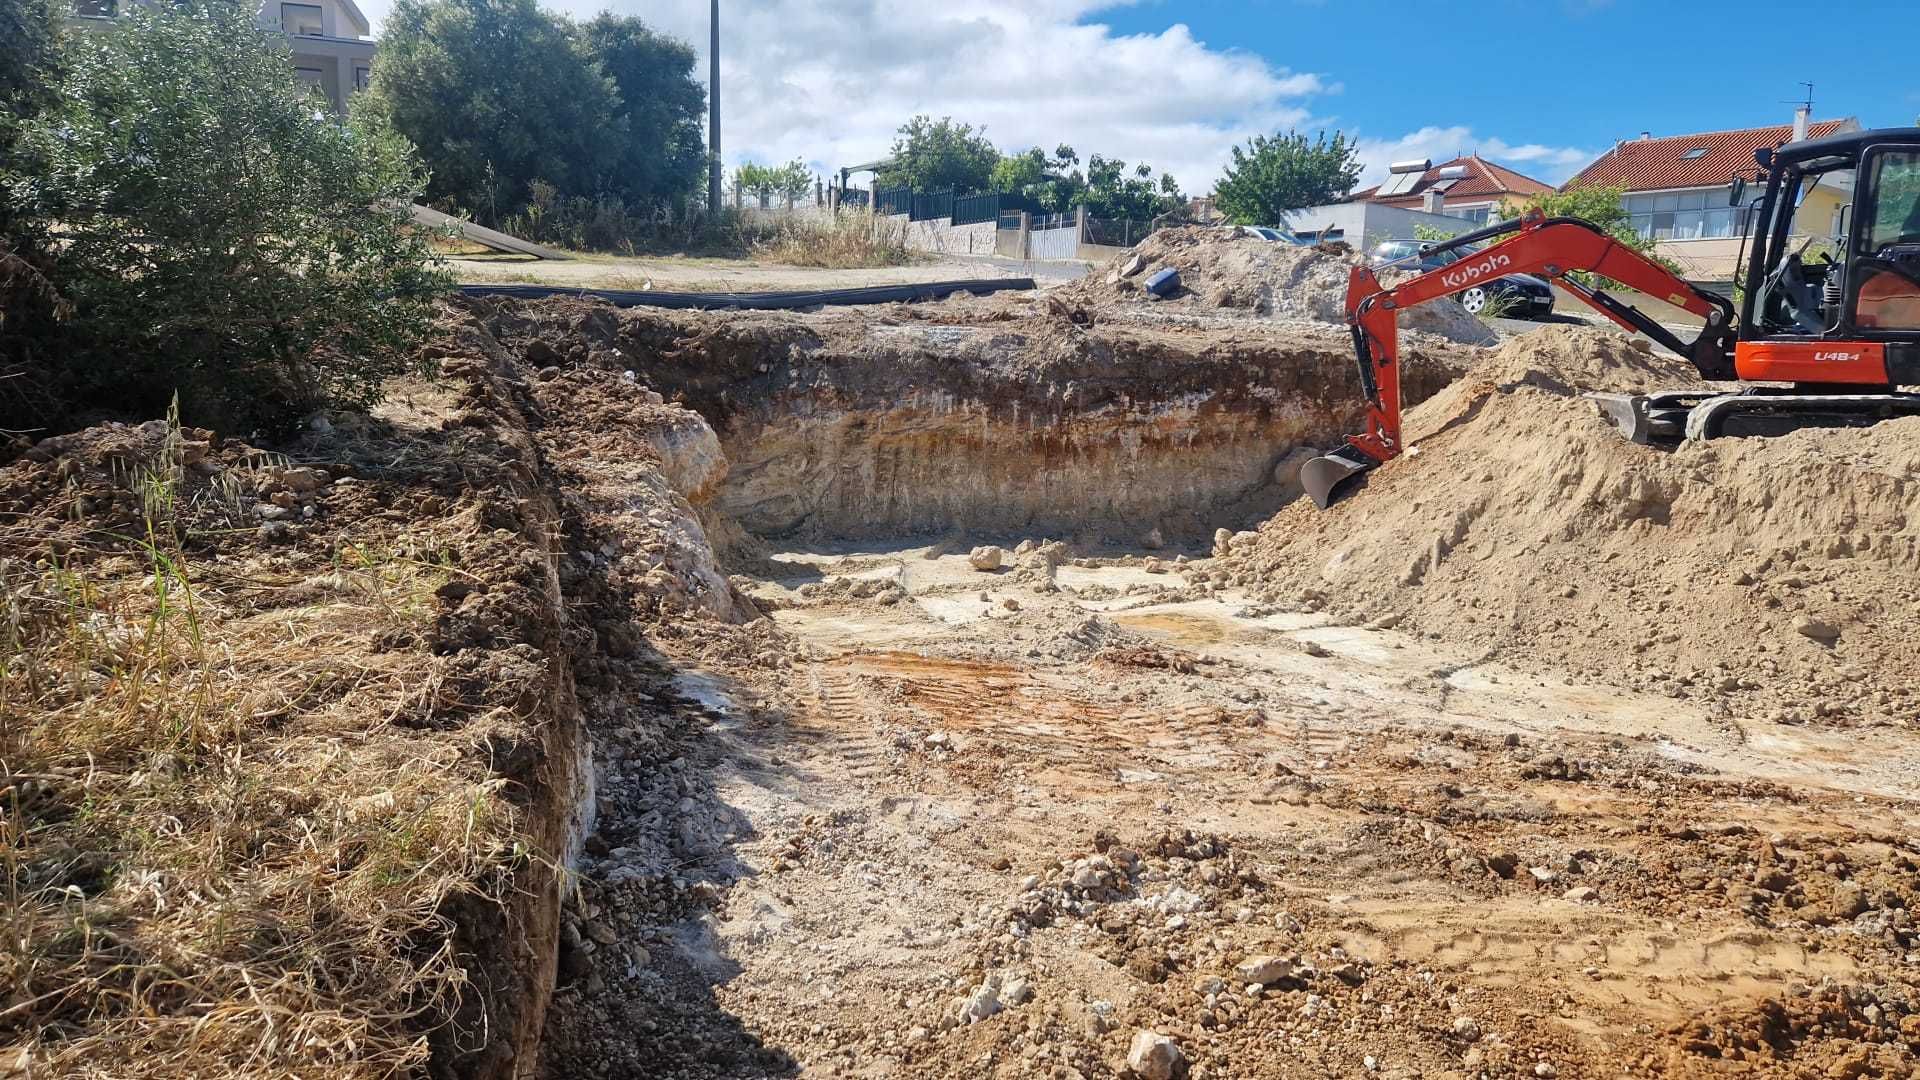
(1552, 164)
(828, 81)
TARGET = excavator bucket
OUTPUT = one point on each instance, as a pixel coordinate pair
(1329, 476)
(1627, 412)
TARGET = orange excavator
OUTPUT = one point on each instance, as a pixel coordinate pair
(1832, 338)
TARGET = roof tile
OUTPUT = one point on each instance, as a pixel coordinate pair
(1656, 164)
(1484, 179)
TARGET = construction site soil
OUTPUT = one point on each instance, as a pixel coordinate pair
(963, 690)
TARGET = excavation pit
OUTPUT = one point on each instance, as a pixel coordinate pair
(869, 805)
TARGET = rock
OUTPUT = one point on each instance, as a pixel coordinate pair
(1155, 566)
(1134, 264)
(601, 932)
(1222, 543)
(1017, 991)
(303, 480)
(1466, 1029)
(276, 532)
(1010, 604)
(1154, 540)
(549, 373)
(1582, 895)
(1153, 1056)
(977, 1006)
(1542, 875)
(1543, 1069)
(1025, 546)
(1823, 632)
(989, 557)
(1265, 970)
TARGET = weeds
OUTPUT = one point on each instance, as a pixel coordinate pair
(842, 242)
(218, 860)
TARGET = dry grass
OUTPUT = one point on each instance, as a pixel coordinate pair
(221, 859)
(842, 242)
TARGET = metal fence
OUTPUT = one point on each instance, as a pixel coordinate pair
(1116, 232)
(893, 201)
(991, 205)
(932, 204)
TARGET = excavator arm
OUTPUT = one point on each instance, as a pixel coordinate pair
(1552, 248)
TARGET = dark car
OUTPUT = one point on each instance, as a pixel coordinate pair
(1520, 296)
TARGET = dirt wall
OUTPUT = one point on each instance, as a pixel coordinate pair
(1003, 417)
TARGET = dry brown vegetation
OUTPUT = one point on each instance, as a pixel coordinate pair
(843, 242)
(240, 803)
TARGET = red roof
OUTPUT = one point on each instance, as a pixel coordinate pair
(1656, 164)
(1483, 181)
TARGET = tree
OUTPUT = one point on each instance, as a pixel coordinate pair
(28, 60)
(663, 158)
(1272, 176)
(1053, 182)
(1604, 206)
(1113, 192)
(933, 155)
(497, 94)
(219, 232)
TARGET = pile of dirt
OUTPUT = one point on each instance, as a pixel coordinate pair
(1761, 578)
(1220, 267)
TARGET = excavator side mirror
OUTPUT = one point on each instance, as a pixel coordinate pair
(1764, 157)
(1739, 191)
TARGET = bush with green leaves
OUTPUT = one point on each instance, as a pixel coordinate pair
(1271, 176)
(498, 94)
(218, 231)
(938, 155)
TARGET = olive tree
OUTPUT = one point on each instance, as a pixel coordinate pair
(219, 232)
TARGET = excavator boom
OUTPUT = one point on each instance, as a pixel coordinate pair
(1534, 244)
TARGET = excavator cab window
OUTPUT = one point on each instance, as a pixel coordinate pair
(1801, 293)
(1887, 255)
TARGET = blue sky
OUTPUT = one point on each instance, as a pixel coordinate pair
(1574, 73)
(1543, 86)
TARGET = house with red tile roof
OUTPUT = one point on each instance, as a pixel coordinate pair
(1470, 188)
(1678, 188)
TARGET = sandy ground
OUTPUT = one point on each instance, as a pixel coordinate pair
(680, 274)
(992, 825)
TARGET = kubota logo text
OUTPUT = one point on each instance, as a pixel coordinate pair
(1836, 356)
(1453, 279)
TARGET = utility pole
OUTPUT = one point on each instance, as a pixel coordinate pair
(713, 114)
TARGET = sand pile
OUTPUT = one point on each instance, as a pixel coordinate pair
(1221, 268)
(1768, 578)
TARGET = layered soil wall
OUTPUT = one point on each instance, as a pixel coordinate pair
(1003, 417)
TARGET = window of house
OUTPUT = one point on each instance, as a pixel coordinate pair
(1477, 215)
(360, 77)
(303, 19)
(1684, 215)
(310, 76)
(94, 9)
(1694, 154)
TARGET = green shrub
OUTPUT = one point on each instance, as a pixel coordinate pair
(216, 230)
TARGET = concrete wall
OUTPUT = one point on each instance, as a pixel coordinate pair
(941, 236)
(1366, 224)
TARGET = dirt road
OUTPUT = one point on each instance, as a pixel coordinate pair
(681, 274)
(998, 823)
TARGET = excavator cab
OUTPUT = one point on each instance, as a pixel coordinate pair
(1830, 309)
(1827, 331)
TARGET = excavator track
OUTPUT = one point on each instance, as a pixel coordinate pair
(1668, 417)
